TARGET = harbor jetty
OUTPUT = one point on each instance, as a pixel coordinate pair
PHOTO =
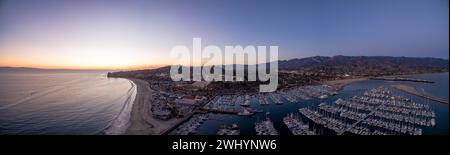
(401, 79)
(412, 90)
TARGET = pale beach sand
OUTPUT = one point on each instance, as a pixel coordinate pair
(339, 84)
(141, 121)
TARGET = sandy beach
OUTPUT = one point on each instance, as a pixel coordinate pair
(141, 121)
(339, 84)
(342, 83)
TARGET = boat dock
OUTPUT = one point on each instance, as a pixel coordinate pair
(224, 111)
(296, 125)
(376, 112)
(265, 128)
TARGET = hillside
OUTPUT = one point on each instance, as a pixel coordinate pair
(365, 65)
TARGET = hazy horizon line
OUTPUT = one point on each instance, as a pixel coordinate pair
(143, 67)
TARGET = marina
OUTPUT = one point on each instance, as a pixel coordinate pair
(239, 103)
(152, 67)
(190, 127)
(232, 129)
(370, 107)
(276, 98)
(296, 125)
(265, 128)
(246, 101)
(376, 112)
(223, 104)
(262, 99)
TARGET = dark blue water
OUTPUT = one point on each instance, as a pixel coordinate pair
(62, 102)
(439, 89)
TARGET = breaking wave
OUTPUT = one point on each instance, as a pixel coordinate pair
(121, 122)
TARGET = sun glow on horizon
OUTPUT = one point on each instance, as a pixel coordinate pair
(93, 57)
(134, 34)
(63, 37)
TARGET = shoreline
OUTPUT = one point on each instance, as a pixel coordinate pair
(137, 124)
(339, 84)
(121, 123)
(141, 121)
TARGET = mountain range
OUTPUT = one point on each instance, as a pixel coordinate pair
(365, 65)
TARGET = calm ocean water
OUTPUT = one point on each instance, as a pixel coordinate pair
(63, 102)
(439, 89)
